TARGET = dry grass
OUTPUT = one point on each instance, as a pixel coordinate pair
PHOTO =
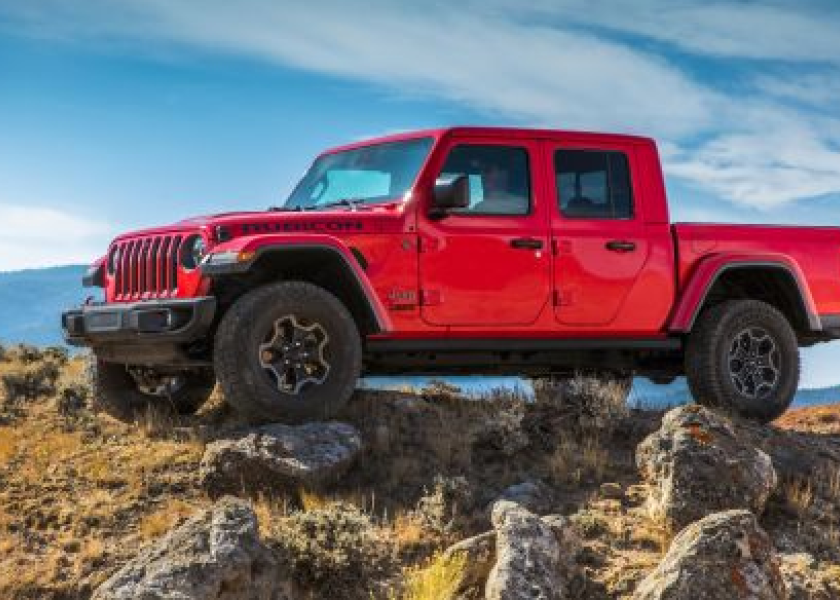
(799, 496)
(82, 494)
(407, 531)
(574, 461)
(8, 444)
(833, 486)
(165, 518)
(438, 579)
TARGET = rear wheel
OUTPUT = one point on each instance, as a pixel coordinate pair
(288, 352)
(126, 392)
(743, 356)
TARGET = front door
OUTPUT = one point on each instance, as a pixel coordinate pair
(597, 232)
(488, 265)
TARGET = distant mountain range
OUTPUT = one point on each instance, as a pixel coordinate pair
(31, 303)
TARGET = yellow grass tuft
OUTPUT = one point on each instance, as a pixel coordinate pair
(310, 500)
(799, 495)
(8, 444)
(437, 580)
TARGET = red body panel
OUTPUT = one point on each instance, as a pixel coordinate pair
(810, 254)
(460, 277)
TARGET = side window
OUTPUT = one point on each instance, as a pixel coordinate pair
(593, 184)
(499, 178)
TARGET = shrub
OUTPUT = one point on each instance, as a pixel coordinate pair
(442, 507)
(501, 432)
(26, 354)
(30, 382)
(337, 547)
(589, 402)
(441, 389)
(73, 396)
(56, 354)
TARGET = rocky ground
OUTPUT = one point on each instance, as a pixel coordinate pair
(414, 495)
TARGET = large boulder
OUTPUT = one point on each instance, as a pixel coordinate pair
(216, 555)
(534, 557)
(696, 465)
(725, 555)
(274, 456)
(533, 495)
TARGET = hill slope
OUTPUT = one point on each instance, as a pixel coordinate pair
(31, 302)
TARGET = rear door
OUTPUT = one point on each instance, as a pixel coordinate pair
(598, 233)
(488, 265)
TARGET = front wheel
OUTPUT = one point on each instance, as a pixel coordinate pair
(288, 352)
(743, 356)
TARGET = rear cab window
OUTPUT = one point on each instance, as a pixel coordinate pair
(593, 184)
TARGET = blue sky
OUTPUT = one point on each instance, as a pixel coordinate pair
(118, 114)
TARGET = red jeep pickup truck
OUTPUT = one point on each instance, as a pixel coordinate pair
(462, 250)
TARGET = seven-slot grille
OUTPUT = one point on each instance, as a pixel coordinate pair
(148, 267)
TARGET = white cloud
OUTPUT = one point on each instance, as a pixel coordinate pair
(548, 63)
(819, 90)
(539, 74)
(33, 237)
(790, 30)
(769, 158)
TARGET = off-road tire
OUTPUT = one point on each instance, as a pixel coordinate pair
(246, 384)
(707, 359)
(114, 392)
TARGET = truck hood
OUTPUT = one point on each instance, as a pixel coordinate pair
(371, 219)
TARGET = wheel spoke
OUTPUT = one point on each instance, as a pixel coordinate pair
(294, 354)
(754, 363)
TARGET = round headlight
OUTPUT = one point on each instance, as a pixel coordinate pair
(113, 260)
(194, 252)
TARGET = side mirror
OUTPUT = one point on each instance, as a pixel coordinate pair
(451, 192)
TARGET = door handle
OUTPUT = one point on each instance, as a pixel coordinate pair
(620, 246)
(526, 244)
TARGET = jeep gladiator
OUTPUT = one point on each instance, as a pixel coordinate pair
(458, 251)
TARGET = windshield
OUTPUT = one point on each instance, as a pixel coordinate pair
(366, 175)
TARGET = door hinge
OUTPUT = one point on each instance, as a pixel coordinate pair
(562, 298)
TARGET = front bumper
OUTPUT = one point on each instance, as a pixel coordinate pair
(141, 323)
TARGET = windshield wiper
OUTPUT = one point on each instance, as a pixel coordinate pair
(285, 209)
(350, 203)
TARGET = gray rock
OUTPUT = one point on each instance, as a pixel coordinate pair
(725, 555)
(533, 495)
(696, 465)
(277, 455)
(529, 558)
(216, 555)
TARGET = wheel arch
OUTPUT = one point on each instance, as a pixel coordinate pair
(776, 281)
(339, 271)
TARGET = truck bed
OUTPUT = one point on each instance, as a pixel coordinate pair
(815, 250)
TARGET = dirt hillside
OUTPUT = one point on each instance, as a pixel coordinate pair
(81, 494)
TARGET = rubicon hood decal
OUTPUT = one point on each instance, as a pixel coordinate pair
(316, 226)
